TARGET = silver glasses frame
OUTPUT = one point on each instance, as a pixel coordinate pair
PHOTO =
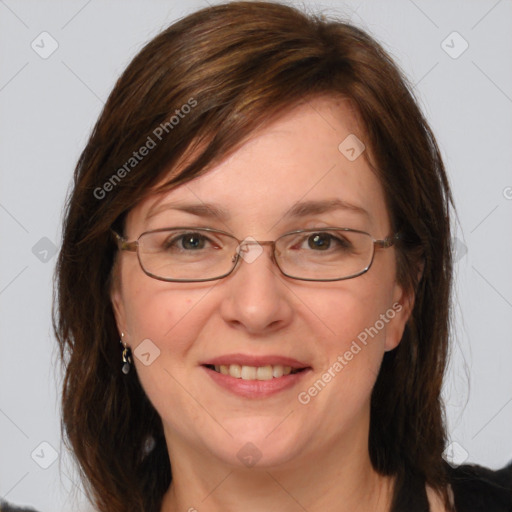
(133, 246)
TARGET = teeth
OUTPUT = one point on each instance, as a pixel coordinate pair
(254, 372)
(278, 371)
(249, 372)
(264, 373)
(235, 370)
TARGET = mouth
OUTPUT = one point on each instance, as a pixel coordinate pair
(266, 372)
(256, 376)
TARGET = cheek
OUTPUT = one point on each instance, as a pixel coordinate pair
(163, 313)
(361, 310)
(170, 315)
(354, 320)
(356, 349)
(165, 323)
(339, 392)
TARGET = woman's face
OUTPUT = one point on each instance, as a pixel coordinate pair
(336, 332)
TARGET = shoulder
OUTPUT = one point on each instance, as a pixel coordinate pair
(476, 488)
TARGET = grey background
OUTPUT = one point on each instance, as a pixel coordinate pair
(48, 107)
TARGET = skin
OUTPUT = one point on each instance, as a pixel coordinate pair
(256, 310)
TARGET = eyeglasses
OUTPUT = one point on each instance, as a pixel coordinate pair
(188, 254)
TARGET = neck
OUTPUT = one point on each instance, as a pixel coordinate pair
(338, 479)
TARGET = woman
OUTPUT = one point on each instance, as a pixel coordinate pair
(254, 281)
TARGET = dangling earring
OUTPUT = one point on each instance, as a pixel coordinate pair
(127, 356)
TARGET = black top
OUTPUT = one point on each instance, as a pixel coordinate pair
(479, 489)
(475, 489)
(6, 507)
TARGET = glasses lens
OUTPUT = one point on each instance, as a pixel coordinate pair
(186, 254)
(329, 254)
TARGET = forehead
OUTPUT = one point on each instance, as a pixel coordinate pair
(306, 155)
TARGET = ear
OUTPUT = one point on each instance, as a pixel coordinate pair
(403, 305)
(116, 298)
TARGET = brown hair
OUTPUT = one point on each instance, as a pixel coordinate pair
(237, 65)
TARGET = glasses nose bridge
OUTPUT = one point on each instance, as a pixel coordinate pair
(261, 242)
(245, 242)
(243, 246)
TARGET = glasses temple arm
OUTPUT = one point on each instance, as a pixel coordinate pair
(388, 241)
(122, 243)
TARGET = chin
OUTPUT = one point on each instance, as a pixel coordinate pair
(264, 442)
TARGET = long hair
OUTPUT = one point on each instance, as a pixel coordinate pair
(200, 88)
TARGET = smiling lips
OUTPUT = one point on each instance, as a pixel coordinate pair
(255, 375)
(244, 372)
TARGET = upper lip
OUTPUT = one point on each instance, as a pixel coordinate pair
(250, 360)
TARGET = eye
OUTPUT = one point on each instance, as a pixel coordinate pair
(325, 241)
(187, 242)
(320, 241)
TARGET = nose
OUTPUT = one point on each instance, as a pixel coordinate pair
(257, 300)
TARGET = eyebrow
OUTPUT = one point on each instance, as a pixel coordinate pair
(298, 210)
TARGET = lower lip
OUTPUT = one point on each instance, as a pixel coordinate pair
(256, 388)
